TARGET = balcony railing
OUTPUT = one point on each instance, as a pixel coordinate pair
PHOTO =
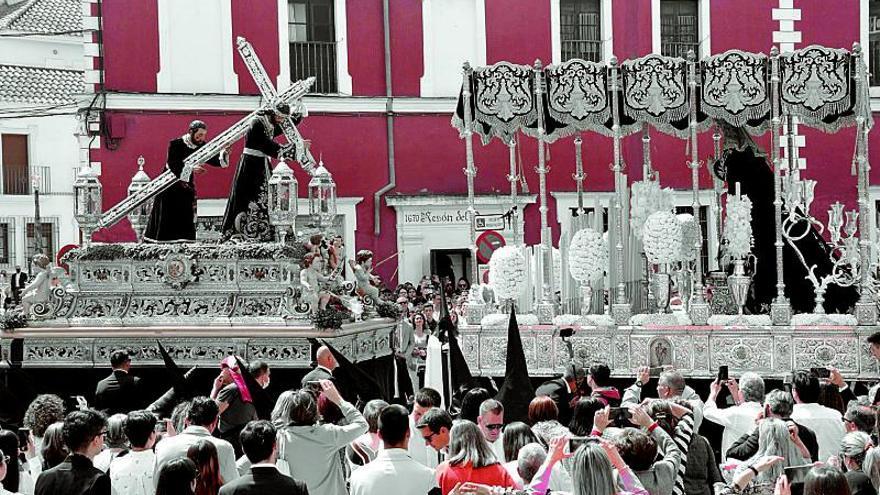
(21, 182)
(314, 58)
(679, 49)
(589, 50)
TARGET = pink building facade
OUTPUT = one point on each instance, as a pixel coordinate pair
(158, 64)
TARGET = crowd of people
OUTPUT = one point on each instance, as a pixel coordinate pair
(816, 436)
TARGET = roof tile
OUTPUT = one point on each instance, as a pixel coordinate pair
(38, 85)
(45, 16)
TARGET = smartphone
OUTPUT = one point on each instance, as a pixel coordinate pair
(620, 415)
(575, 443)
(24, 437)
(821, 372)
(797, 474)
(723, 374)
(655, 370)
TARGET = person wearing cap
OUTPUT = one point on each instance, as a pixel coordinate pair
(247, 211)
(168, 220)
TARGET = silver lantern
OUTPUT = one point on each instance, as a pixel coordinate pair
(322, 196)
(87, 201)
(283, 189)
(140, 215)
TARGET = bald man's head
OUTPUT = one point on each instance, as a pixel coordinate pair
(325, 358)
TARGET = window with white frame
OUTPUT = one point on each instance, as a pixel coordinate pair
(311, 33)
(679, 27)
(45, 241)
(874, 41)
(580, 29)
(5, 244)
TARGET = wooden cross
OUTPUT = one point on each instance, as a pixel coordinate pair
(225, 139)
(258, 73)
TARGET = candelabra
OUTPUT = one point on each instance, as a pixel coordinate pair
(844, 249)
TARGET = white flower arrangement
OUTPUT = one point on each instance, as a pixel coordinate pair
(662, 238)
(563, 321)
(690, 233)
(507, 272)
(647, 198)
(587, 256)
(738, 226)
(811, 319)
(740, 320)
(503, 319)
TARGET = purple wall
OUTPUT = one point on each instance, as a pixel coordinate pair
(429, 155)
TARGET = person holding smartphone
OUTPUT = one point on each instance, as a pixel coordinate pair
(737, 420)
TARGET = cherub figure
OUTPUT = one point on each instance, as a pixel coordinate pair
(38, 290)
(314, 283)
(363, 274)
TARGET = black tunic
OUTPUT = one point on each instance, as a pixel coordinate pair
(756, 179)
(247, 211)
(174, 210)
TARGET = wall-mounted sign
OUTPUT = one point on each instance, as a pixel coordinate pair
(490, 222)
(487, 243)
(436, 217)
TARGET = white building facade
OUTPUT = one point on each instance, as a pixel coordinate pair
(41, 72)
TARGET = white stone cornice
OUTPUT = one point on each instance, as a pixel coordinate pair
(238, 103)
(457, 200)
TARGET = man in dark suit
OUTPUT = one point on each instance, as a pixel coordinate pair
(258, 442)
(561, 390)
(83, 434)
(324, 370)
(17, 282)
(777, 404)
(118, 392)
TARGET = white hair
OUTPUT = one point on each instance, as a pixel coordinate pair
(529, 460)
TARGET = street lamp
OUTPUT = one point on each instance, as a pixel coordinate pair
(87, 201)
(322, 196)
(140, 215)
(283, 189)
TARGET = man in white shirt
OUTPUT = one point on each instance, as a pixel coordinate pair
(132, 473)
(201, 423)
(433, 429)
(425, 399)
(393, 470)
(827, 423)
(737, 420)
(491, 421)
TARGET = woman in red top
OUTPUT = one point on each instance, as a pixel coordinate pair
(471, 459)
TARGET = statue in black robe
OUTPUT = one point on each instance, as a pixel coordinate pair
(173, 216)
(247, 211)
(744, 162)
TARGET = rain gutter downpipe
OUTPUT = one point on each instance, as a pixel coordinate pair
(389, 120)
